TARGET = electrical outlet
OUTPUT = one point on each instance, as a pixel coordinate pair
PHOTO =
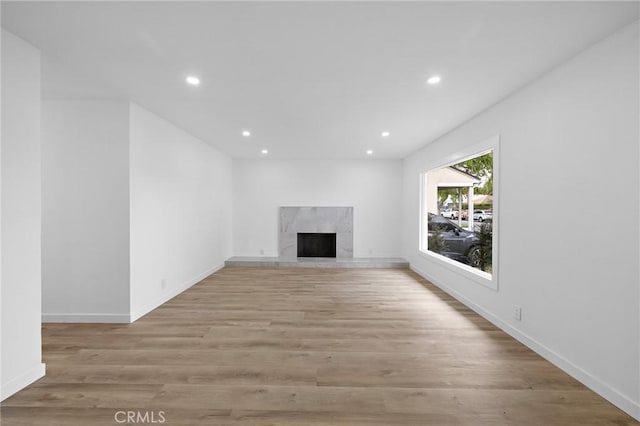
(518, 313)
(163, 283)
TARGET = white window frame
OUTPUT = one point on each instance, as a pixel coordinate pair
(473, 274)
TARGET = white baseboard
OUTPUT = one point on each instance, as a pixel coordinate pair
(86, 318)
(173, 293)
(22, 381)
(612, 395)
(124, 318)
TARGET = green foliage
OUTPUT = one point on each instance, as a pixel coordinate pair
(481, 167)
(443, 194)
(482, 206)
(485, 234)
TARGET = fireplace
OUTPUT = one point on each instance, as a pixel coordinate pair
(336, 221)
(316, 244)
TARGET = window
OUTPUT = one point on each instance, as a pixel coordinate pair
(459, 213)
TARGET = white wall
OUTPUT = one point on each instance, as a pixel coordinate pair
(569, 156)
(260, 187)
(180, 210)
(134, 210)
(21, 297)
(85, 211)
(1, 33)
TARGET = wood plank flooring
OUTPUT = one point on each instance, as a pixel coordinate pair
(258, 346)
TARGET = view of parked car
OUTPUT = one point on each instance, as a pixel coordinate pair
(450, 240)
(482, 215)
(463, 213)
(449, 214)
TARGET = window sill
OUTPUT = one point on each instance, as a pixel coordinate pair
(483, 278)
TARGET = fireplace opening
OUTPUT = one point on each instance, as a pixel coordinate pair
(316, 245)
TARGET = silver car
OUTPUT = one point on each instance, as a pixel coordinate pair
(482, 215)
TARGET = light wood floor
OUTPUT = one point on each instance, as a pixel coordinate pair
(254, 346)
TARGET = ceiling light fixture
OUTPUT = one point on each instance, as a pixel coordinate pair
(246, 133)
(192, 80)
(369, 152)
(434, 79)
(385, 134)
(265, 151)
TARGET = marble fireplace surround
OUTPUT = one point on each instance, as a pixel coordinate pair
(315, 219)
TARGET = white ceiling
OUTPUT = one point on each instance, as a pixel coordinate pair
(309, 79)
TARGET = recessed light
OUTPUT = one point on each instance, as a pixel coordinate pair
(265, 151)
(246, 133)
(385, 134)
(369, 152)
(192, 80)
(434, 79)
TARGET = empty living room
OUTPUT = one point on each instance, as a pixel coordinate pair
(320, 213)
